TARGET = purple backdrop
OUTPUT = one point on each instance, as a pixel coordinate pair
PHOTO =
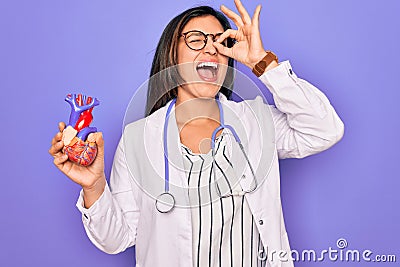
(349, 49)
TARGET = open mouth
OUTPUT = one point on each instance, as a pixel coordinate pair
(207, 71)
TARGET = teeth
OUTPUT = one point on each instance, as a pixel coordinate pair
(208, 64)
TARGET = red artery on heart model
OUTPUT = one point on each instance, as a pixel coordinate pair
(86, 117)
(76, 146)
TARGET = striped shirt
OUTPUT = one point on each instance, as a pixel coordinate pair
(224, 230)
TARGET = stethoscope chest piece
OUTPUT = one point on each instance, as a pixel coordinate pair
(165, 202)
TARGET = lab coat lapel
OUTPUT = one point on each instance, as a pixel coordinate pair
(254, 126)
(171, 232)
(177, 177)
(233, 113)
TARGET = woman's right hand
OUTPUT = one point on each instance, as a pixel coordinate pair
(91, 178)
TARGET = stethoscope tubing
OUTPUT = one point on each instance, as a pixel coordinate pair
(213, 138)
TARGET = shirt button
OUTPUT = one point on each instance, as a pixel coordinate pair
(85, 216)
(243, 176)
(290, 71)
(261, 222)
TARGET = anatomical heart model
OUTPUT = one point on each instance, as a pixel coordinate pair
(76, 146)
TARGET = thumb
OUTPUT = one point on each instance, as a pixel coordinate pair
(97, 137)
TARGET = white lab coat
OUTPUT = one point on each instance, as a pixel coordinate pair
(304, 123)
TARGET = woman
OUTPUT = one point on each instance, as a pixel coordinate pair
(227, 224)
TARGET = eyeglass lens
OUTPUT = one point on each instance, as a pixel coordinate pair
(197, 40)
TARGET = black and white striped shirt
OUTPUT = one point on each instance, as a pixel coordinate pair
(224, 230)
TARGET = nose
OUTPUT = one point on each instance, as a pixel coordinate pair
(209, 48)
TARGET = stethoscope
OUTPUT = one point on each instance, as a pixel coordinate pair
(165, 202)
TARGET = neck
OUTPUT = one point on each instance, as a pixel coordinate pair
(195, 111)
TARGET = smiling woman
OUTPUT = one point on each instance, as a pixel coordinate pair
(196, 182)
(206, 62)
(177, 46)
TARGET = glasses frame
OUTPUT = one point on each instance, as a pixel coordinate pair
(214, 37)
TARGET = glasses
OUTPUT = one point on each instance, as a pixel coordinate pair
(197, 40)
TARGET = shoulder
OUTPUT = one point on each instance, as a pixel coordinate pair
(250, 107)
(153, 120)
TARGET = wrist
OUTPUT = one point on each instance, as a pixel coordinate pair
(269, 61)
(92, 194)
(257, 58)
(97, 186)
(272, 65)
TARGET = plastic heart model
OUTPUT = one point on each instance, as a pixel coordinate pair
(76, 146)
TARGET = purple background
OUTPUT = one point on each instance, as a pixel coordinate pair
(348, 49)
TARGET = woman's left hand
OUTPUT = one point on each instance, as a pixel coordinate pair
(248, 48)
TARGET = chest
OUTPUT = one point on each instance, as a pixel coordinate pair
(197, 136)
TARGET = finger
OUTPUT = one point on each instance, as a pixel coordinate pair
(91, 137)
(99, 160)
(223, 50)
(56, 148)
(56, 138)
(98, 138)
(256, 17)
(228, 33)
(61, 126)
(232, 15)
(243, 13)
(60, 160)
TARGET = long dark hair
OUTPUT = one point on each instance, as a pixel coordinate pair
(162, 85)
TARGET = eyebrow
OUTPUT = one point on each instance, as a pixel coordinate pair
(202, 32)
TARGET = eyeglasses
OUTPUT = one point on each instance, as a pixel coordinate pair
(197, 40)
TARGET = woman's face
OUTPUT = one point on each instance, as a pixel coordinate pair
(203, 70)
